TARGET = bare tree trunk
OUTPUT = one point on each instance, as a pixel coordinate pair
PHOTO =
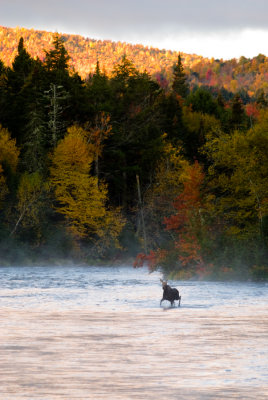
(18, 222)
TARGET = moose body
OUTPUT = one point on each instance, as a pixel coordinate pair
(170, 294)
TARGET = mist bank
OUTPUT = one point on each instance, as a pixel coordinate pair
(21, 256)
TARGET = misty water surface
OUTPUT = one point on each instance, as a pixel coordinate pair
(99, 333)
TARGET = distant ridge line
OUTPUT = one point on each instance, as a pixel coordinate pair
(84, 51)
(245, 76)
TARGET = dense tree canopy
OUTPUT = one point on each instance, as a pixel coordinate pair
(120, 163)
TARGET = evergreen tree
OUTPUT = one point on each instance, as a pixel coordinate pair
(136, 140)
(21, 68)
(237, 117)
(33, 150)
(16, 103)
(171, 121)
(201, 100)
(98, 92)
(180, 85)
(65, 90)
(125, 70)
(3, 92)
(56, 61)
(76, 107)
(2, 67)
(35, 130)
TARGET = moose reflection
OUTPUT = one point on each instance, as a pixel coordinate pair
(170, 294)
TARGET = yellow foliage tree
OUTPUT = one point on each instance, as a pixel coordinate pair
(30, 201)
(238, 175)
(80, 197)
(197, 121)
(9, 155)
(168, 177)
(168, 183)
(3, 185)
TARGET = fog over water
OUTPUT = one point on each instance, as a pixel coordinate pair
(99, 333)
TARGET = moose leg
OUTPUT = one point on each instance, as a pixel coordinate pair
(179, 301)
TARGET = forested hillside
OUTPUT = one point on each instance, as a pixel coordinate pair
(247, 76)
(116, 164)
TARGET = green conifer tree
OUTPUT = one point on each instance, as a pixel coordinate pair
(98, 92)
(57, 61)
(237, 117)
(136, 141)
(3, 91)
(17, 76)
(34, 131)
(180, 85)
(21, 67)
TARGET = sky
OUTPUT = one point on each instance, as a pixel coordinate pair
(211, 28)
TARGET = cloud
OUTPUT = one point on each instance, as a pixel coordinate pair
(219, 45)
(129, 15)
(152, 22)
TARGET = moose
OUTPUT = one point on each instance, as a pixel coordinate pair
(170, 294)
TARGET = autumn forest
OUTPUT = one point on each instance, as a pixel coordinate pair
(136, 154)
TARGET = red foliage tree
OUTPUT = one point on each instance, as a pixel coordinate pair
(186, 223)
(188, 218)
(252, 112)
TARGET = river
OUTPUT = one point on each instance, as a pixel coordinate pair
(99, 333)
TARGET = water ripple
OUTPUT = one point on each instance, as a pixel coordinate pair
(99, 333)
